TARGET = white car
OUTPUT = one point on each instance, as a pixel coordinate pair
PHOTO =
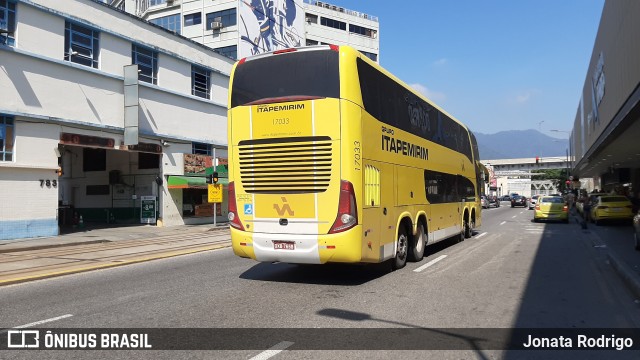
(532, 202)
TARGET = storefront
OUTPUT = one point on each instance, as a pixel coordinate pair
(190, 191)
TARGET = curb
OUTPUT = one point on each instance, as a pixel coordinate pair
(629, 277)
(51, 246)
(112, 265)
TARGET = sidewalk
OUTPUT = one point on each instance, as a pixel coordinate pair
(617, 242)
(30, 259)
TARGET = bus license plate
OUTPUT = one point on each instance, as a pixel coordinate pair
(284, 245)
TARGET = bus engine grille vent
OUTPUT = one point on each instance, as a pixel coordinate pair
(292, 165)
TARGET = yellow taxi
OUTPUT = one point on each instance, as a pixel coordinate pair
(551, 208)
(611, 207)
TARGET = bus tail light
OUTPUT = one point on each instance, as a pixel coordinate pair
(347, 209)
(234, 219)
(284, 51)
(565, 208)
(537, 206)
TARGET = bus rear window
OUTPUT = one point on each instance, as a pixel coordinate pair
(299, 73)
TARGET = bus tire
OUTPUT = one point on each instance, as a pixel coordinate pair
(402, 243)
(467, 227)
(418, 244)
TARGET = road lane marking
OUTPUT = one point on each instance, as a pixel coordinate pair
(513, 217)
(481, 235)
(37, 323)
(502, 223)
(521, 212)
(273, 351)
(430, 263)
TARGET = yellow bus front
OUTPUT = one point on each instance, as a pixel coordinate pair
(289, 198)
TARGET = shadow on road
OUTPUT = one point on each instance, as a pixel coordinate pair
(326, 274)
(331, 274)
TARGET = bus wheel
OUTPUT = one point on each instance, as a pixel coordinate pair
(468, 228)
(418, 244)
(401, 254)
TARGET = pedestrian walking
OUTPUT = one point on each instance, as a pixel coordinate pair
(587, 210)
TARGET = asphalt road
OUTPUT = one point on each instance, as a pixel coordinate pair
(512, 273)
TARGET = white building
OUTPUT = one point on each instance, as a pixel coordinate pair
(63, 106)
(508, 176)
(240, 28)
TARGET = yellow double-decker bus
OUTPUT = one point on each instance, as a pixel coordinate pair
(333, 159)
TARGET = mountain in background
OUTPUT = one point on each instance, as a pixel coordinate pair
(515, 144)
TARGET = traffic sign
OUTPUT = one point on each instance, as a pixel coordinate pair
(215, 193)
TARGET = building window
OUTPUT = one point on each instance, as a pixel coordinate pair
(371, 56)
(201, 148)
(333, 23)
(98, 190)
(147, 61)
(311, 42)
(156, 2)
(227, 17)
(6, 138)
(311, 18)
(200, 81)
(171, 22)
(148, 161)
(228, 51)
(193, 19)
(8, 17)
(94, 159)
(81, 44)
(362, 31)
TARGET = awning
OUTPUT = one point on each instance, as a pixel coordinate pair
(191, 182)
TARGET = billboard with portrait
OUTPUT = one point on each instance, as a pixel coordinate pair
(269, 25)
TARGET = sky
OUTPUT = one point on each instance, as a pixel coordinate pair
(495, 65)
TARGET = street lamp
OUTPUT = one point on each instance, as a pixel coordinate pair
(567, 149)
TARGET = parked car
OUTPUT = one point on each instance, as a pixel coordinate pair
(532, 201)
(590, 198)
(518, 200)
(551, 208)
(636, 230)
(611, 207)
(506, 198)
(484, 202)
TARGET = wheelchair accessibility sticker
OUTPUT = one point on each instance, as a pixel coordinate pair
(248, 209)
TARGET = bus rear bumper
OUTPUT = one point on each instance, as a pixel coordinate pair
(307, 249)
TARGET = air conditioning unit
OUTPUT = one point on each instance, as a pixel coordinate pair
(170, 2)
(216, 25)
